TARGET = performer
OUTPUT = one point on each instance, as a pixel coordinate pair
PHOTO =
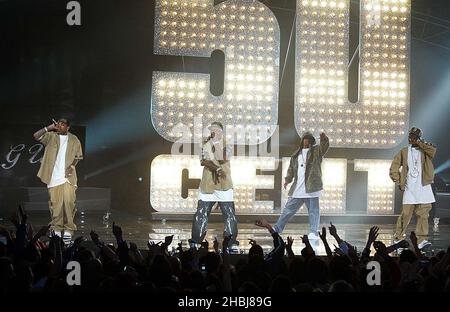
(216, 186)
(58, 171)
(306, 172)
(414, 179)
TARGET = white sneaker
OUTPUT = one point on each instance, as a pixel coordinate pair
(67, 238)
(58, 233)
(233, 249)
(313, 236)
(424, 244)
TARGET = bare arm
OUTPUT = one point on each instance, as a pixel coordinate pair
(413, 239)
(333, 232)
(38, 134)
(323, 237)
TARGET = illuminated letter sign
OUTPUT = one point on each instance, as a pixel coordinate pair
(380, 117)
(248, 34)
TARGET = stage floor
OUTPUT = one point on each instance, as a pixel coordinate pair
(140, 230)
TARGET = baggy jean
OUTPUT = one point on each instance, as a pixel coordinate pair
(291, 208)
(200, 222)
(62, 207)
(422, 212)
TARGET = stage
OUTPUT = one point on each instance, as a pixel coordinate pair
(142, 229)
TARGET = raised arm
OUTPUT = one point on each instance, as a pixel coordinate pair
(323, 237)
(324, 144)
(428, 148)
(40, 133)
(333, 232)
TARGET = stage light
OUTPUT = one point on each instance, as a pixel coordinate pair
(384, 71)
(443, 167)
(380, 188)
(248, 35)
(166, 183)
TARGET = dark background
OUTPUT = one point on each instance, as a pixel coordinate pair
(99, 75)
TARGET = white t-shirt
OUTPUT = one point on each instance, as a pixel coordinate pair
(59, 170)
(300, 191)
(217, 196)
(415, 192)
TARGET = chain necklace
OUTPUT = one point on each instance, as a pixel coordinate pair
(415, 159)
(303, 160)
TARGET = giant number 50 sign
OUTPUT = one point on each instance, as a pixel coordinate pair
(248, 34)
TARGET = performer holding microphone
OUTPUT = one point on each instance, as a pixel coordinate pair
(413, 170)
(216, 186)
(58, 171)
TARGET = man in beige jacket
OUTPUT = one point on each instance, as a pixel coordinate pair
(216, 186)
(413, 170)
(61, 155)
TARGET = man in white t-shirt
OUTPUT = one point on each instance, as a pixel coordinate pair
(414, 179)
(306, 173)
(61, 155)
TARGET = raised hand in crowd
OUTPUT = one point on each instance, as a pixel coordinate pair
(323, 237)
(289, 243)
(308, 251)
(333, 232)
(117, 232)
(43, 231)
(414, 243)
(95, 237)
(373, 234)
(168, 240)
(264, 224)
